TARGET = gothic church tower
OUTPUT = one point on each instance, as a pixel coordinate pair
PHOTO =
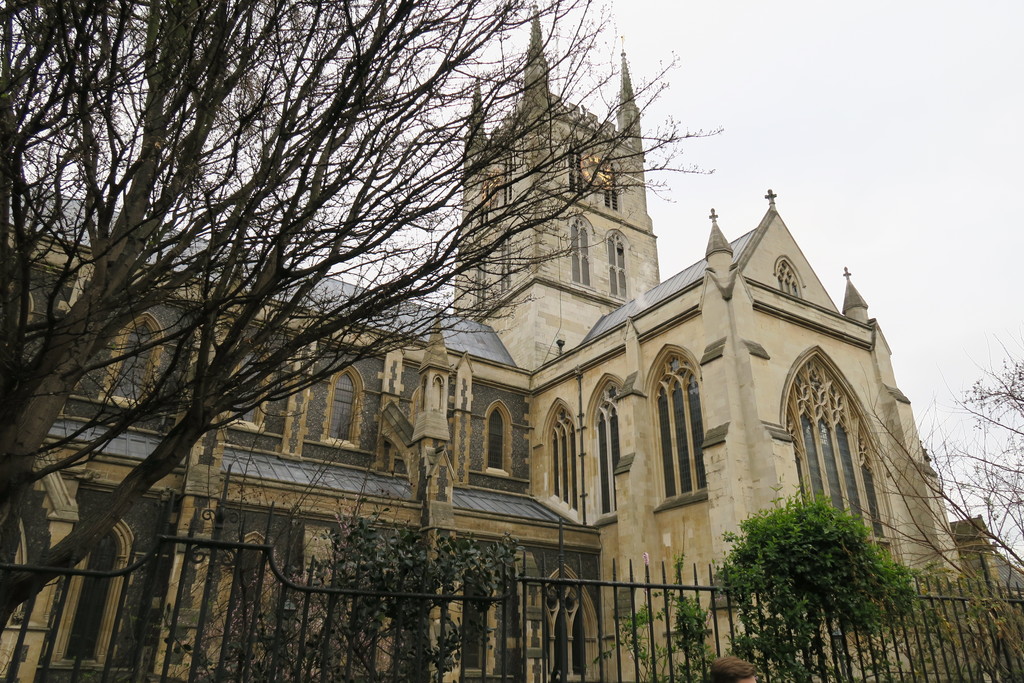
(601, 252)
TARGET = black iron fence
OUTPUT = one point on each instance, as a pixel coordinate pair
(210, 610)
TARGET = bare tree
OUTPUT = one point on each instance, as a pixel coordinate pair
(283, 184)
(970, 486)
(983, 478)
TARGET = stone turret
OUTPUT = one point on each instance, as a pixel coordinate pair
(432, 415)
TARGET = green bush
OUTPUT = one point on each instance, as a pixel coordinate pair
(801, 572)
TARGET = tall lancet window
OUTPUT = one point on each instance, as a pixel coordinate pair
(563, 458)
(681, 428)
(832, 446)
(342, 407)
(579, 248)
(617, 265)
(608, 447)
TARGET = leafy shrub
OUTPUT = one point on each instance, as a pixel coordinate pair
(803, 574)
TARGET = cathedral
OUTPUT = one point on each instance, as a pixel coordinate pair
(600, 411)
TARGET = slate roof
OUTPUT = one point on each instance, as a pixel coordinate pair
(460, 334)
(476, 338)
(502, 503)
(666, 290)
(305, 473)
(340, 478)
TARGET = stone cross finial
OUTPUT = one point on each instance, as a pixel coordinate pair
(713, 216)
(771, 197)
(846, 272)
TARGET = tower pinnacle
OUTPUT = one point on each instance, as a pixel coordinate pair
(854, 305)
(716, 241)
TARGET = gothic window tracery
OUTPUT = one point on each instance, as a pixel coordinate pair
(617, 265)
(563, 460)
(608, 447)
(579, 247)
(681, 428)
(831, 443)
(570, 626)
(786, 277)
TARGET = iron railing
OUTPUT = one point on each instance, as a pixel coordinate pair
(195, 609)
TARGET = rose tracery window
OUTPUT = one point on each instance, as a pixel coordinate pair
(831, 444)
(681, 428)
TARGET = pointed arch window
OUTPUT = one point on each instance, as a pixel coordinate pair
(608, 447)
(617, 265)
(563, 460)
(497, 440)
(135, 373)
(786, 277)
(343, 407)
(570, 626)
(88, 621)
(681, 428)
(342, 404)
(579, 247)
(86, 630)
(831, 443)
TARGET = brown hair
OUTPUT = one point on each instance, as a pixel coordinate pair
(730, 670)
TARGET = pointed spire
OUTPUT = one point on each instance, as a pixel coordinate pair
(536, 39)
(629, 114)
(854, 305)
(626, 91)
(536, 74)
(716, 242)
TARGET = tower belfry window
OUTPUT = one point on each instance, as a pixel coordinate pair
(579, 246)
(576, 179)
(505, 266)
(607, 180)
(617, 265)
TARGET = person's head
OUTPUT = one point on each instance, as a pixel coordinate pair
(732, 670)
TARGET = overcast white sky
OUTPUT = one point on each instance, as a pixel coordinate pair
(892, 133)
